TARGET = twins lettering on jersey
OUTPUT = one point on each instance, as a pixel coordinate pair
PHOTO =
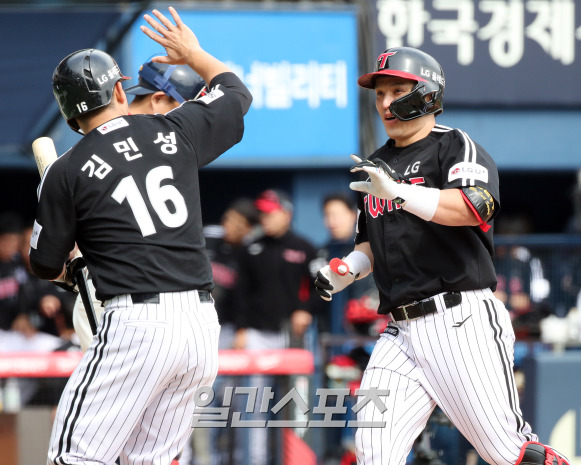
(377, 207)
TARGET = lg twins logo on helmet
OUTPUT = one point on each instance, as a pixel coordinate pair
(111, 73)
(382, 59)
(469, 171)
(430, 74)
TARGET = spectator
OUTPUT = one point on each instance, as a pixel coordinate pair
(522, 286)
(340, 216)
(274, 294)
(224, 244)
(274, 286)
(12, 272)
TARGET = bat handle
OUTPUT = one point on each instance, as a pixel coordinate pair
(81, 278)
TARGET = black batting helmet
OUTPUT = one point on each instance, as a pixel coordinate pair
(178, 81)
(84, 81)
(427, 96)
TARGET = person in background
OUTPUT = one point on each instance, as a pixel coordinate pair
(276, 303)
(225, 244)
(274, 295)
(522, 286)
(12, 271)
(340, 217)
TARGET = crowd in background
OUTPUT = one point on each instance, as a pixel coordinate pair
(264, 274)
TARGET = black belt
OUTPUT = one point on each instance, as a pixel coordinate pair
(153, 297)
(426, 307)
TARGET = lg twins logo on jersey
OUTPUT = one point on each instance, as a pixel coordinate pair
(377, 207)
(214, 95)
(112, 125)
(468, 170)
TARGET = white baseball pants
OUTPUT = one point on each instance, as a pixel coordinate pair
(132, 395)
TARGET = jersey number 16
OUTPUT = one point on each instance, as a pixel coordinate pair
(159, 197)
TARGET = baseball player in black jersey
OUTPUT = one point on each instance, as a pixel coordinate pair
(427, 199)
(160, 88)
(128, 194)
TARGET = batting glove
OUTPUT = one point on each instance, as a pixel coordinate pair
(419, 200)
(333, 278)
(381, 182)
(68, 281)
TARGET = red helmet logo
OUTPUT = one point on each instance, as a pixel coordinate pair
(382, 59)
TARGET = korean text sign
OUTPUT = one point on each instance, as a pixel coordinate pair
(492, 51)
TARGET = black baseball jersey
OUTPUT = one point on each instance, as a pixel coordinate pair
(274, 280)
(128, 194)
(416, 259)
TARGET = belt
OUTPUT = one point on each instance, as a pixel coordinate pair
(425, 307)
(153, 297)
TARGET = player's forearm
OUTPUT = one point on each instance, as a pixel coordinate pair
(365, 247)
(206, 65)
(453, 210)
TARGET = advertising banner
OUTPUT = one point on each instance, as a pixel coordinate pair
(494, 52)
(301, 68)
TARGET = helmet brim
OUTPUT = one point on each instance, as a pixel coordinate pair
(368, 80)
(141, 89)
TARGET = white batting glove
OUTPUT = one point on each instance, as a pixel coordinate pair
(381, 182)
(419, 200)
(333, 278)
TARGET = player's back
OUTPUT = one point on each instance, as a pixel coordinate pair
(128, 193)
(134, 181)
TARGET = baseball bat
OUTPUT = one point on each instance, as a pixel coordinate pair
(44, 154)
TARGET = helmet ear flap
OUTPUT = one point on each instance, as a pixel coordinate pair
(414, 104)
(433, 102)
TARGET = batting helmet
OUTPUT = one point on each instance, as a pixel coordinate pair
(427, 96)
(84, 81)
(178, 81)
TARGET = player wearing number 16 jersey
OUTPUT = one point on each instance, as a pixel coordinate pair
(128, 195)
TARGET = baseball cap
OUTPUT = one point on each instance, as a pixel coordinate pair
(272, 200)
(245, 207)
(178, 81)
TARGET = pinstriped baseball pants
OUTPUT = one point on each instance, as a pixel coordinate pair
(132, 394)
(460, 359)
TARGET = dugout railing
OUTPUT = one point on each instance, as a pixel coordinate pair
(25, 429)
